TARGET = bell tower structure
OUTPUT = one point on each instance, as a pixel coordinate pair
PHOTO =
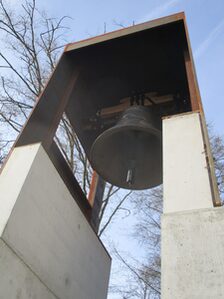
(133, 99)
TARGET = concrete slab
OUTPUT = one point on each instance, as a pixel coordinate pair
(193, 254)
(47, 230)
(17, 281)
(12, 179)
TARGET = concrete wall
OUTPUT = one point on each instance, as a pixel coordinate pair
(192, 229)
(193, 254)
(186, 182)
(17, 281)
(45, 228)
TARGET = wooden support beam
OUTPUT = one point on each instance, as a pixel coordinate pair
(125, 103)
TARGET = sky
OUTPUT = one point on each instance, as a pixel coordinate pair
(205, 19)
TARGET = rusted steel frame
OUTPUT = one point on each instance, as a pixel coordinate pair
(61, 108)
(45, 116)
(195, 96)
(191, 83)
(125, 31)
(210, 163)
(93, 187)
(197, 105)
(29, 130)
(96, 199)
(69, 179)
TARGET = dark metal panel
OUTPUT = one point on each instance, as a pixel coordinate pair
(147, 61)
(44, 119)
(125, 31)
(191, 82)
(191, 74)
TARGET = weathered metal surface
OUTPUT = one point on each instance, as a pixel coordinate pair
(142, 60)
(93, 187)
(191, 83)
(210, 164)
(47, 112)
(196, 102)
(125, 31)
(95, 199)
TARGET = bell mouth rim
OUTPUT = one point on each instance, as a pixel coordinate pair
(156, 134)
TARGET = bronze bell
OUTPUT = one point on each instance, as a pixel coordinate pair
(128, 155)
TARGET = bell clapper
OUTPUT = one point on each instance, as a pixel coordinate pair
(129, 178)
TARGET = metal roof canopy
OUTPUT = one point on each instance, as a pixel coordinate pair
(149, 57)
(96, 73)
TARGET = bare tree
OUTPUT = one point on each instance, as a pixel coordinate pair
(217, 147)
(145, 276)
(142, 280)
(31, 45)
(30, 48)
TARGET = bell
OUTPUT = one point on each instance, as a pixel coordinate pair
(128, 155)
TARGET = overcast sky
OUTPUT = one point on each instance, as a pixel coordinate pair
(205, 20)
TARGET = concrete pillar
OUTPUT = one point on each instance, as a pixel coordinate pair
(186, 180)
(47, 247)
(192, 229)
